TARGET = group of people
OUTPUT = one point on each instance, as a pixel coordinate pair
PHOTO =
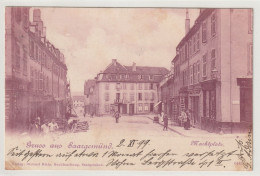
(184, 120)
(36, 128)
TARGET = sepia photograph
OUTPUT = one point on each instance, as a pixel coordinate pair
(135, 89)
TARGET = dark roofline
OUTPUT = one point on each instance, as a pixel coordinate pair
(196, 25)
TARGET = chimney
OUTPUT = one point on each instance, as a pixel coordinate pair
(36, 15)
(114, 62)
(187, 22)
(134, 66)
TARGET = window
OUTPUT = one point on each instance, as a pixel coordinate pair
(122, 76)
(191, 75)
(204, 32)
(198, 41)
(186, 52)
(250, 21)
(146, 96)
(152, 96)
(198, 71)
(213, 24)
(183, 53)
(194, 43)
(17, 57)
(146, 86)
(47, 84)
(190, 48)
(250, 59)
(194, 73)
(41, 81)
(124, 86)
(107, 108)
(140, 107)
(184, 77)
(107, 86)
(204, 67)
(18, 15)
(146, 107)
(32, 78)
(118, 86)
(187, 76)
(31, 49)
(25, 18)
(213, 59)
(132, 86)
(151, 86)
(124, 96)
(140, 86)
(140, 96)
(140, 77)
(132, 96)
(127, 76)
(36, 53)
(24, 61)
(106, 96)
(150, 77)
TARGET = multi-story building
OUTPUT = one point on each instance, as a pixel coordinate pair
(213, 70)
(128, 89)
(90, 96)
(35, 71)
(78, 104)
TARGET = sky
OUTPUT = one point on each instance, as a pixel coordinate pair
(90, 38)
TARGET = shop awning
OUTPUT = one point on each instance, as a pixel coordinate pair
(157, 103)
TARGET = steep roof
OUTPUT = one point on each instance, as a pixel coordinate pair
(145, 70)
(120, 73)
(88, 84)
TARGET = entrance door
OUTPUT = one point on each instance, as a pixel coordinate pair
(196, 110)
(151, 107)
(131, 109)
(124, 108)
(246, 110)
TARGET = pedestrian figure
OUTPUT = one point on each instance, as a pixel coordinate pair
(162, 115)
(165, 122)
(53, 126)
(45, 128)
(34, 128)
(186, 120)
(92, 114)
(117, 115)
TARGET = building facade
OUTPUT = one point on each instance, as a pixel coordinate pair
(35, 71)
(90, 101)
(78, 104)
(213, 71)
(128, 89)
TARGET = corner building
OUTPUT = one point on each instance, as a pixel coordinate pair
(128, 89)
(213, 71)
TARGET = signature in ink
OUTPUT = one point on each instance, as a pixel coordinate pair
(245, 150)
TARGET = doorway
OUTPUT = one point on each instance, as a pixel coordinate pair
(131, 109)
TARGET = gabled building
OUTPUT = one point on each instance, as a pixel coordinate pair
(128, 89)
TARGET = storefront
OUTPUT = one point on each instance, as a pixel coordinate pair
(246, 102)
(208, 120)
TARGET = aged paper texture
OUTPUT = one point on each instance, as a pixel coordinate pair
(137, 89)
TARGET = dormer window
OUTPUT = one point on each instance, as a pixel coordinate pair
(140, 77)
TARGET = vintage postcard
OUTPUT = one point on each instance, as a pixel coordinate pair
(128, 89)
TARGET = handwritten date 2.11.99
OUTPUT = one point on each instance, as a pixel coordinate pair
(133, 143)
